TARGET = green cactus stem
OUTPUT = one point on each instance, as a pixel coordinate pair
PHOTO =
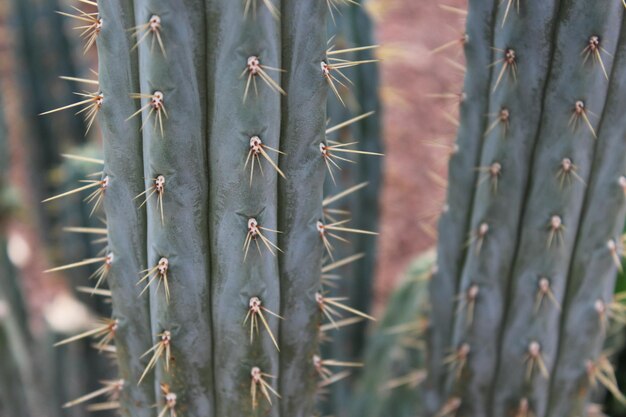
(548, 207)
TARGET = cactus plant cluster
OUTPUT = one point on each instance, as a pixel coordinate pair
(530, 237)
(213, 117)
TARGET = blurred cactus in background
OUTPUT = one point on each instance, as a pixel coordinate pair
(529, 241)
(350, 27)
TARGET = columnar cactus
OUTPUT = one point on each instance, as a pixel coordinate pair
(530, 237)
(213, 115)
(351, 27)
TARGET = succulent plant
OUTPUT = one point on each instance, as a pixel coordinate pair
(529, 240)
(395, 350)
(213, 117)
(349, 27)
(19, 393)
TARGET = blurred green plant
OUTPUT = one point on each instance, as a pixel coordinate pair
(350, 27)
(395, 350)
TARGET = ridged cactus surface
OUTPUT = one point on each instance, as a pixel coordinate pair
(529, 241)
(213, 117)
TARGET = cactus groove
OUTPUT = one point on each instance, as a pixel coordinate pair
(527, 298)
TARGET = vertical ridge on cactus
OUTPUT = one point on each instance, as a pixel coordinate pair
(238, 113)
(592, 267)
(303, 125)
(175, 145)
(358, 121)
(455, 219)
(534, 258)
(500, 212)
(126, 225)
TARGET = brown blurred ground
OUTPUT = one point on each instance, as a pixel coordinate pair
(414, 169)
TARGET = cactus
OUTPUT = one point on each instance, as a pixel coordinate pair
(351, 27)
(213, 117)
(529, 240)
(395, 351)
(72, 240)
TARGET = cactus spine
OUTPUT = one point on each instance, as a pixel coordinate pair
(213, 121)
(535, 283)
(44, 51)
(350, 27)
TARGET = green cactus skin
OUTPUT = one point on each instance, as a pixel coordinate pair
(593, 272)
(44, 51)
(389, 354)
(126, 225)
(235, 280)
(515, 238)
(454, 221)
(303, 127)
(500, 211)
(353, 27)
(180, 155)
